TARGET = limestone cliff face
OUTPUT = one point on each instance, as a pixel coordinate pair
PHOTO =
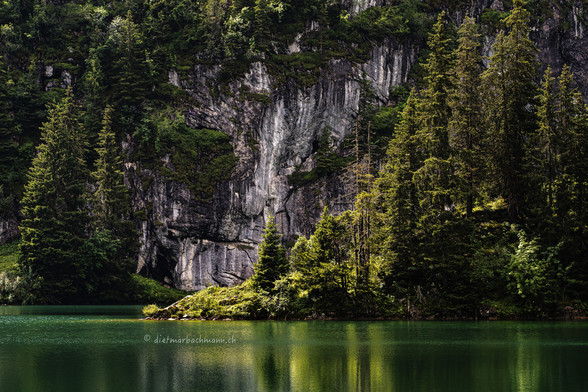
(191, 244)
(194, 244)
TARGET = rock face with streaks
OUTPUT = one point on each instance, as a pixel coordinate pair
(193, 244)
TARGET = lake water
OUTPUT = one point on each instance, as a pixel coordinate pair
(111, 349)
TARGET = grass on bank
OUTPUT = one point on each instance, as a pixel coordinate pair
(8, 256)
(151, 291)
(214, 303)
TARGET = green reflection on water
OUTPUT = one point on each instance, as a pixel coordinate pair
(111, 349)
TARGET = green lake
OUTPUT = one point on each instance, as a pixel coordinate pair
(112, 349)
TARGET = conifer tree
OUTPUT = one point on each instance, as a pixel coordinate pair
(132, 74)
(398, 198)
(272, 262)
(577, 216)
(113, 241)
(562, 141)
(434, 178)
(55, 219)
(572, 155)
(263, 23)
(111, 199)
(509, 100)
(438, 84)
(549, 142)
(324, 262)
(93, 89)
(466, 129)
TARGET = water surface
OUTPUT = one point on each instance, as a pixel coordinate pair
(111, 349)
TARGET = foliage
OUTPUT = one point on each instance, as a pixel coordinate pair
(9, 256)
(536, 277)
(509, 100)
(327, 161)
(376, 23)
(272, 262)
(145, 290)
(200, 158)
(494, 19)
(237, 302)
(17, 289)
(54, 218)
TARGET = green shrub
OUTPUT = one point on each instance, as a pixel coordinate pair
(494, 19)
(149, 291)
(201, 158)
(237, 302)
(150, 310)
(9, 255)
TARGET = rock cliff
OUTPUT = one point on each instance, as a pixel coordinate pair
(194, 244)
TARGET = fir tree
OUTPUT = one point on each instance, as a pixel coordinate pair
(131, 70)
(438, 84)
(572, 154)
(111, 199)
(324, 262)
(549, 142)
(272, 262)
(434, 178)
(510, 96)
(433, 248)
(93, 89)
(263, 24)
(114, 241)
(55, 219)
(466, 129)
(398, 198)
(569, 165)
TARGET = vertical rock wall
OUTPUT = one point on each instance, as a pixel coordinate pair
(194, 244)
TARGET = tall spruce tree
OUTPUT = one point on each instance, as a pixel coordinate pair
(434, 178)
(509, 101)
(131, 79)
(263, 24)
(399, 201)
(549, 141)
(570, 189)
(325, 262)
(55, 219)
(114, 240)
(272, 262)
(571, 118)
(438, 84)
(93, 89)
(466, 128)
(111, 198)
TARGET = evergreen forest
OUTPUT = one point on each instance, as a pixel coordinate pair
(470, 185)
